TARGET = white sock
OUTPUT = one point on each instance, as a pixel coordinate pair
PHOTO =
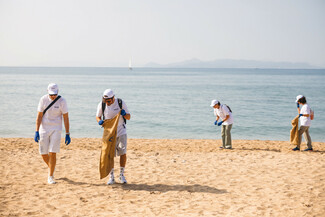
(122, 171)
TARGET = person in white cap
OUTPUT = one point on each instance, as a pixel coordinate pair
(111, 107)
(305, 122)
(51, 109)
(223, 112)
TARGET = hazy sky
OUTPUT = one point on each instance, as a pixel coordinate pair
(109, 33)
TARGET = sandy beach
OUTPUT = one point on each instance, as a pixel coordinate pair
(165, 178)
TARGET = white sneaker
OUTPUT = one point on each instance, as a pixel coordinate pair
(123, 179)
(50, 180)
(111, 180)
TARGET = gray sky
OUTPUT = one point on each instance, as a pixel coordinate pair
(109, 33)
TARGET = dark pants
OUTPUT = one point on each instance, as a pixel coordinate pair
(226, 136)
(304, 130)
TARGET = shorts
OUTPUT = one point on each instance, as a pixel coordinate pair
(121, 144)
(50, 142)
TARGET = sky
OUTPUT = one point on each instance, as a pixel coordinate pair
(105, 33)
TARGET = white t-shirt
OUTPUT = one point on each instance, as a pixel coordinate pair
(52, 120)
(305, 121)
(111, 111)
(222, 112)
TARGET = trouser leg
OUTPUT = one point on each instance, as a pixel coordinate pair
(228, 136)
(307, 138)
(301, 131)
(223, 135)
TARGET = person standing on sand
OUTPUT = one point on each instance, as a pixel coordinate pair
(222, 112)
(111, 107)
(305, 122)
(51, 108)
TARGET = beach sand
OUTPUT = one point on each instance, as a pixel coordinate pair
(165, 178)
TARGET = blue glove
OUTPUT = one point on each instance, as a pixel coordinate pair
(67, 139)
(297, 105)
(215, 123)
(123, 113)
(36, 137)
(220, 123)
(100, 122)
(300, 115)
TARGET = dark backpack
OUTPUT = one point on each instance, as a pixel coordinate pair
(119, 104)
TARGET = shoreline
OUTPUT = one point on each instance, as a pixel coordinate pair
(192, 145)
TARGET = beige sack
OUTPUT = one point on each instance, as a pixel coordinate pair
(108, 146)
(294, 135)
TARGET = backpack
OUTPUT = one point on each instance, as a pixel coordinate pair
(119, 104)
(311, 114)
(228, 108)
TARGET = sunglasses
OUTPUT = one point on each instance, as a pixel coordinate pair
(53, 94)
(108, 99)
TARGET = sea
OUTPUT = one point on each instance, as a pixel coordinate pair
(167, 103)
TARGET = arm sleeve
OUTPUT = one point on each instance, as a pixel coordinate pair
(64, 106)
(305, 110)
(225, 110)
(40, 107)
(99, 112)
(125, 107)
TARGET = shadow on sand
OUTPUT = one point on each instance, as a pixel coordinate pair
(166, 188)
(259, 149)
(154, 188)
(276, 150)
(69, 181)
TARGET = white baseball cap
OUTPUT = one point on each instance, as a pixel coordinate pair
(214, 102)
(108, 93)
(52, 88)
(299, 97)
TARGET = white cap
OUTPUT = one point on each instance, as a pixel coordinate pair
(108, 93)
(53, 88)
(299, 97)
(214, 102)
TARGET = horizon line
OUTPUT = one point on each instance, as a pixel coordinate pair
(159, 67)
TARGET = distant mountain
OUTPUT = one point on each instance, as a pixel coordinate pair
(231, 63)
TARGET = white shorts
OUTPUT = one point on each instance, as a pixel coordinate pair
(50, 142)
(121, 144)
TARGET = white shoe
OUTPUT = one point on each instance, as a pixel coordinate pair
(123, 179)
(50, 180)
(111, 180)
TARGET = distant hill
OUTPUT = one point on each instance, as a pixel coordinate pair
(231, 63)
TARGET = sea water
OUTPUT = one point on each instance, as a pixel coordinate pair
(167, 103)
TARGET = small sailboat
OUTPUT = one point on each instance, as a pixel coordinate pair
(130, 64)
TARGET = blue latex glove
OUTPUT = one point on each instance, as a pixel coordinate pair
(123, 113)
(67, 139)
(300, 115)
(215, 123)
(220, 123)
(297, 105)
(100, 122)
(36, 137)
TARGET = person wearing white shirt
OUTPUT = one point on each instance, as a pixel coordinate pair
(222, 112)
(49, 127)
(111, 108)
(305, 122)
